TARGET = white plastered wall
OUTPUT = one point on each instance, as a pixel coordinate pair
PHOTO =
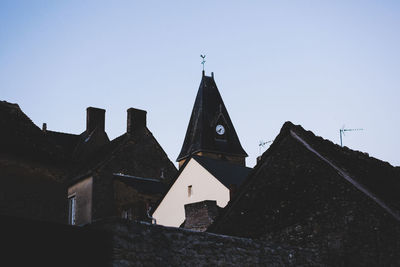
(205, 186)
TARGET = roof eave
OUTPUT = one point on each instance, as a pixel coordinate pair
(212, 151)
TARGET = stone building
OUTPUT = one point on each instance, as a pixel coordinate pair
(211, 161)
(307, 202)
(78, 178)
(31, 169)
(308, 192)
(199, 179)
(125, 177)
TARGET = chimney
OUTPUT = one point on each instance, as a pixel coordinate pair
(136, 120)
(95, 118)
(200, 215)
(44, 127)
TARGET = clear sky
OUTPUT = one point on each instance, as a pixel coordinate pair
(321, 64)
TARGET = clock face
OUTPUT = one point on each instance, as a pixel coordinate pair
(220, 129)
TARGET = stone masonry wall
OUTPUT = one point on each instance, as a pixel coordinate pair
(117, 242)
(142, 244)
(200, 215)
(31, 190)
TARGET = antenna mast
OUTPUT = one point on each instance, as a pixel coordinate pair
(343, 130)
(262, 144)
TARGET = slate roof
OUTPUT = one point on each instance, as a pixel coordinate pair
(65, 141)
(142, 185)
(137, 155)
(208, 111)
(228, 174)
(303, 178)
(19, 136)
(89, 143)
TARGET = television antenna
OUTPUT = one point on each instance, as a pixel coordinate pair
(342, 133)
(204, 61)
(263, 144)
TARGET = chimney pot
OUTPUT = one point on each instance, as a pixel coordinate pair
(44, 127)
(136, 120)
(95, 118)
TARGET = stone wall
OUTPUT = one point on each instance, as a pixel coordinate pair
(35, 243)
(200, 215)
(31, 190)
(142, 244)
(294, 197)
(117, 242)
(103, 195)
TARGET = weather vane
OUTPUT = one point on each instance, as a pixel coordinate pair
(203, 62)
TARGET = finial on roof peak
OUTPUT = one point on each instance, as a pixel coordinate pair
(204, 61)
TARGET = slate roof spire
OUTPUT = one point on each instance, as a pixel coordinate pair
(210, 131)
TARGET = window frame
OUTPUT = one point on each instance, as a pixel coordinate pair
(72, 209)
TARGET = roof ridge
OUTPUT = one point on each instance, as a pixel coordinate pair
(136, 177)
(57, 132)
(348, 178)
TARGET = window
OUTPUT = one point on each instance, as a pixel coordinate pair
(71, 209)
(190, 191)
(127, 214)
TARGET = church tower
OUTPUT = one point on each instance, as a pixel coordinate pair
(210, 132)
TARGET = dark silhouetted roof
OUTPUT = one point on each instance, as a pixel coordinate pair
(142, 185)
(138, 155)
(227, 173)
(65, 141)
(21, 137)
(303, 178)
(89, 143)
(209, 111)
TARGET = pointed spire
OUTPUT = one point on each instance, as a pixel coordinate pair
(210, 129)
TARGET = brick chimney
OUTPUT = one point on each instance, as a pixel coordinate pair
(136, 120)
(95, 118)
